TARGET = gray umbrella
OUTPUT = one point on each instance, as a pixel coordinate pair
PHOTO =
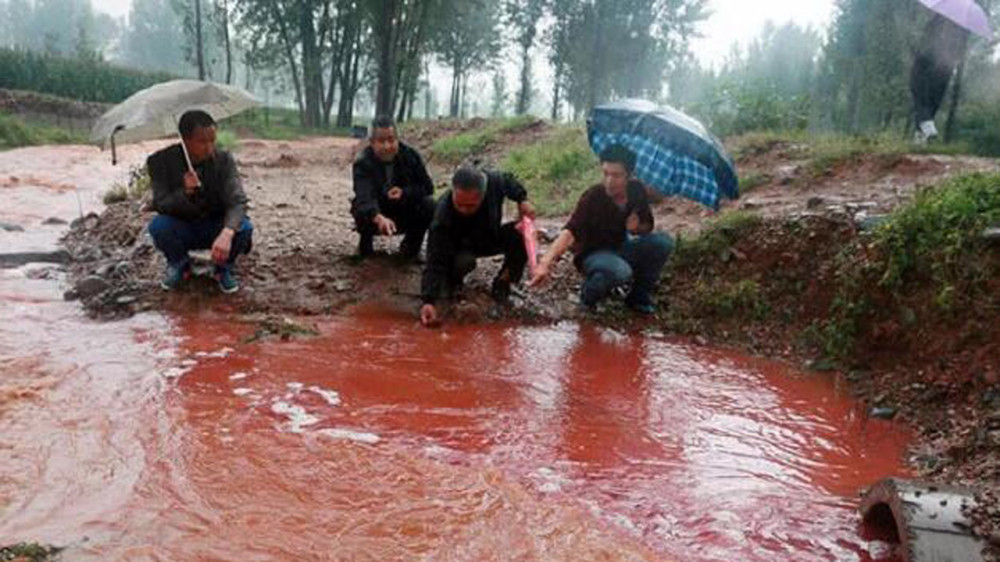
(154, 112)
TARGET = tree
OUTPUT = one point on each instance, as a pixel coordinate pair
(606, 48)
(385, 16)
(498, 103)
(6, 26)
(293, 33)
(222, 21)
(523, 17)
(865, 65)
(154, 38)
(469, 41)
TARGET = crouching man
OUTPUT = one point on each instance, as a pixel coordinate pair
(468, 224)
(201, 208)
(611, 235)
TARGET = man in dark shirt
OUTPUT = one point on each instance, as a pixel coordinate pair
(611, 235)
(392, 191)
(200, 206)
(467, 225)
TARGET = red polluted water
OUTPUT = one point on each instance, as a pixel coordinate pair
(170, 438)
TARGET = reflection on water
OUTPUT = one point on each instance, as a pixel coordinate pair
(171, 439)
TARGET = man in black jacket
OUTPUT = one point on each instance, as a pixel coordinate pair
(466, 226)
(200, 208)
(392, 191)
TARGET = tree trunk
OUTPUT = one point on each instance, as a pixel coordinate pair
(557, 82)
(228, 42)
(524, 95)
(385, 30)
(339, 35)
(312, 72)
(597, 71)
(456, 84)
(199, 54)
(290, 55)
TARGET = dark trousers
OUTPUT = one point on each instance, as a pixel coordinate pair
(511, 245)
(928, 85)
(640, 260)
(412, 221)
(175, 238)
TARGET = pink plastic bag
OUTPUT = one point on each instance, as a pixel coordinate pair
(527, 228)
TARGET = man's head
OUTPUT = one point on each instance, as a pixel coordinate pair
(468, 190)
(617, 164)
(382, 137)
(198, 131)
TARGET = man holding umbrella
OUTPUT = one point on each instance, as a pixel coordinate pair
(611, 233)
(200, 202)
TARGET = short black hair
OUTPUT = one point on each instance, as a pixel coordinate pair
(193, 119)
(619, 154)
(468, 178)
(382, 122)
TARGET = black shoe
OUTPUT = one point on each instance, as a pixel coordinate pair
(366, 245)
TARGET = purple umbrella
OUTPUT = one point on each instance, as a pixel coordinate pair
(965, 13)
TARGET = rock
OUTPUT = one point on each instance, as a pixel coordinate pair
(882, 412)
(343, 285)
(870, 222)
(87, 222)
(54, 221)
(11, 227)
(71, 295)
(992, 234)
(815, 202)
(126, 300)
(19, 259)
(90, 286)
(820, 365)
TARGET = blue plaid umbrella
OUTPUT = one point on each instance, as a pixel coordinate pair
(674, 153)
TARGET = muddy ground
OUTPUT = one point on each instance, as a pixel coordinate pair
(946, 387)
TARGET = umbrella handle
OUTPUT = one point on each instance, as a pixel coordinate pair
(187, 157)
(114, 151)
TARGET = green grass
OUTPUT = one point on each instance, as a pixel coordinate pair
(456, 148)
(827, 150)
(138, 185)
(29, 551)
(556, 171)
(722, 299)
(938, 233)
(929, 251)
(227, 140)
(718, 237)
(276, 123)
(16, 133)
(752, 182)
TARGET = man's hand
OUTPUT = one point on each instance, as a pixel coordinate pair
(223, 245)
(541, 274)
(191, 182)
(395, 194)
(632, 223)
(385, 225)
(428, 315)
(524, 209)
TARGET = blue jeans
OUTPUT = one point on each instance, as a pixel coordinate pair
(175, 238)
(640, 260)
